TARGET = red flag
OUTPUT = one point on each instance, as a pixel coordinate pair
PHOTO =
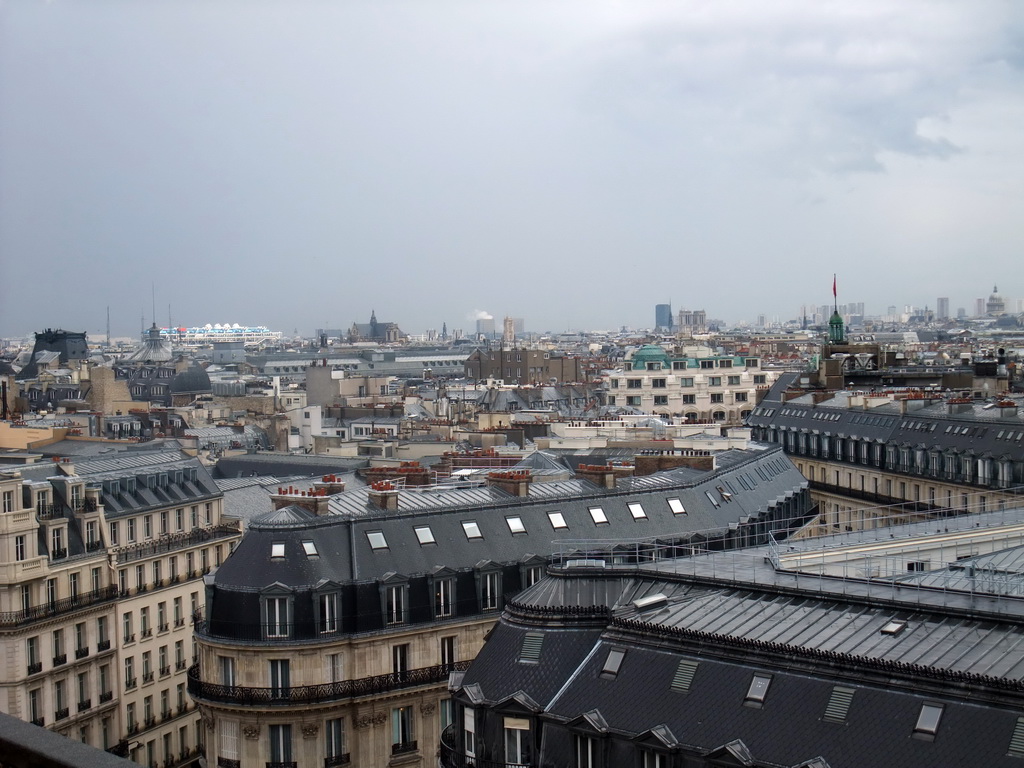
(834, 286)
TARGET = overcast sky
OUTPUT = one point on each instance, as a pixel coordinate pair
(298, 164)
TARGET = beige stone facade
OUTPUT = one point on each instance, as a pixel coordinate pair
(96, 602)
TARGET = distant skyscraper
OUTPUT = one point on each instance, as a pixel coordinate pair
(663, 316)
(508, 330)
(979, 307)
(485, 327)
(942, 308)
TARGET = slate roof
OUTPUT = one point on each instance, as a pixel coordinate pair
(981, 428)
(806, 635)
(285, 464)
(765, 478)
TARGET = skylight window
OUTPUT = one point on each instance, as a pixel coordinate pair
(424, 535)
(894, 627)
(599, 516)
(472, 529)
(277, 549)
(613, 662)
(637, 510)
(758, 690)
(676, 506)
(309, 548)
(712, 499)
(928, 721)
(377, 540)
(515, 524)
(557, 521)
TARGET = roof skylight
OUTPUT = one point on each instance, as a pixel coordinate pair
(612, 662)
(472, 529)
(515, 524)
(557, 520)
(309, 548)
(928, 720)
(758, 689)
(377, 540)
(599, 516)
(277, 549)
(676, 506)
(424, 535)
(637, 510)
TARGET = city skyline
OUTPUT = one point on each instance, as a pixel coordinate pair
(301, 165)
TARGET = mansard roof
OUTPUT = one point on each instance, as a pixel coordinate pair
(366, 541)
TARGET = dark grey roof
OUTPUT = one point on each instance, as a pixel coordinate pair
(191, 382)
(286, 464)
(729, 616)
(757, 485)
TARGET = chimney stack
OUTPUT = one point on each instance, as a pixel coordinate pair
(515, 482)
(384, 495)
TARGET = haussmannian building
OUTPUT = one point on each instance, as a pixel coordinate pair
(330, 633)
(702, 389)
(103, 564)
(932, 452)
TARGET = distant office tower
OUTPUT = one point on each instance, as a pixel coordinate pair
(979, 307)
(485, 327)
(508, 334)
(942, 308)
(961, 313)
(663, 316)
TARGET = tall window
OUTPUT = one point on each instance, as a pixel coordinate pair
(448, 650)
(32, 654)
(277, 616)
(443, 594)
(57, 542)
(586, 752)
(227, 671)
(394, 604)
(517, 741)
(334, 748)
(469, 731)
(281, 743)
(114, 529)
(400, 661)
(73, 585)
(401, 730)
(51, 591)
(280, 677)
(333, 669)
(20, 548)
(126, 623)
(229, 739)
(490, 590)
(8, 501)
(329, 612)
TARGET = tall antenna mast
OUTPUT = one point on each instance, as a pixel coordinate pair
(108, 325)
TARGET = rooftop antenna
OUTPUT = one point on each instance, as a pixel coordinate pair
(108, 325)
(153, 284)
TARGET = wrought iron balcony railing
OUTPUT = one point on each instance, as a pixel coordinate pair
(313, 694)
